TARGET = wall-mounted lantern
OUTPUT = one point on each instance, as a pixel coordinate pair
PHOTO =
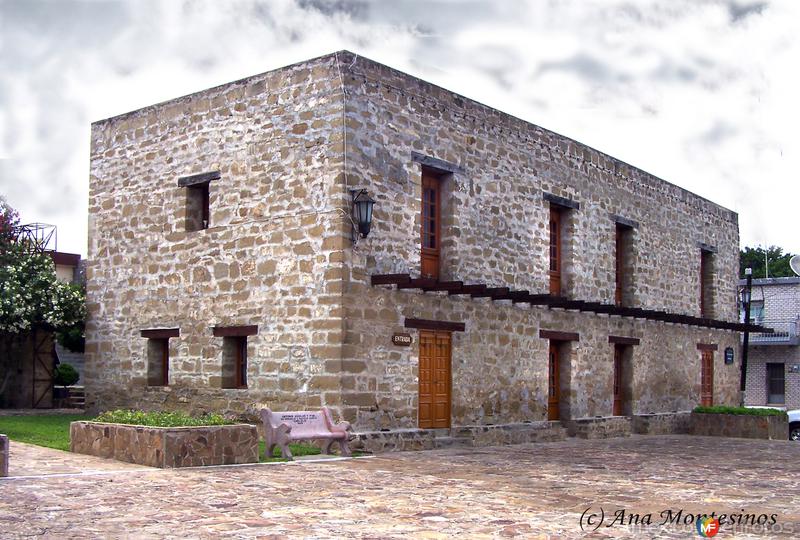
(362, 211)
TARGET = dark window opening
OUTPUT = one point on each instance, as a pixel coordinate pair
(198, 213)
(234, 362)
(158, 362)
(556, 250)
(706, 284)
(623, 264)
(776, 384)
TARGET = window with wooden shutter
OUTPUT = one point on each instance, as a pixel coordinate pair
(431, 218)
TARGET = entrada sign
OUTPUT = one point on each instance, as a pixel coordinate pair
(403, 340)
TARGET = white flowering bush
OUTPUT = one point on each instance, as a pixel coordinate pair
(31, 296)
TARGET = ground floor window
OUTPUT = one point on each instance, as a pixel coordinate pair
(158, 354)
(158, 362)
(776, 384)
(234, 362)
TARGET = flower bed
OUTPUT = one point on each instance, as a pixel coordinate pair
(165, 447)
(740, 422)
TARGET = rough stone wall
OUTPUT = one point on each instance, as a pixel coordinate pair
(269, 257)
(495, 203)
(499, 365)
(495, 232)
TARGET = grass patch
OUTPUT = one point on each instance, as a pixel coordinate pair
(50, 430)
(296, 448)
(723, 409)
(161, 419)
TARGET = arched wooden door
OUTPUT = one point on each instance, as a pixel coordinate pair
(434, 379)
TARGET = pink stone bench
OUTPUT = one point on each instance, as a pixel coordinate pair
(281, 428)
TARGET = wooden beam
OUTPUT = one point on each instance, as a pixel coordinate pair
(388, 279)
(235, 331)
(511, 295)
(469, 289)
(426, 324)
(417, 283)
(491, 292)
(445, 286)
(621, 340)
(161, 333)
(194, 179)
(559, 336)
(707, 346)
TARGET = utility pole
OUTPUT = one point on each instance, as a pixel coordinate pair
(746, 298)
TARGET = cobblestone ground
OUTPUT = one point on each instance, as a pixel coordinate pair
(526, 491)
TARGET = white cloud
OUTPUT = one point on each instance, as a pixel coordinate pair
(700, 93)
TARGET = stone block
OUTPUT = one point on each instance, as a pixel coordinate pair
(744, 426)
(167, 447)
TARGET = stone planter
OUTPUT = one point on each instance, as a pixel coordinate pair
(166, 447)
(745, 426)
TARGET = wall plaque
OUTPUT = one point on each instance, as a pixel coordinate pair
(729, 355)
(402, 340)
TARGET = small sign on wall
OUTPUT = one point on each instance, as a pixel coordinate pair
(794, 368)
(729, 355)
(402, 340)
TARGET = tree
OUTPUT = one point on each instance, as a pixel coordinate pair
(31, 297)
(755, 258)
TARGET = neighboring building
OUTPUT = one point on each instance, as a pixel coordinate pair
(773, 363)
(559, 283)
(36, 353)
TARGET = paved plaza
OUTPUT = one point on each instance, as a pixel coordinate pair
(524, 491)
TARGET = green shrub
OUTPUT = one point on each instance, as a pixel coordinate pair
(161, 419)
(724, 409)
(65, 375)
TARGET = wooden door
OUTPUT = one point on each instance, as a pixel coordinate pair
(431, 224)
(555, 251)
(434, 379)
(553, 384)
(707, 378)
(617, 408)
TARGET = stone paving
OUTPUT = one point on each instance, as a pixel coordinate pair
(525, 491)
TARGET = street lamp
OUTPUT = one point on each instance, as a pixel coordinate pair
(362, 211)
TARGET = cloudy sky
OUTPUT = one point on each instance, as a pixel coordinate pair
(702, 93)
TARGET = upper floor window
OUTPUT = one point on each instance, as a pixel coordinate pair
(556, 250)
(623, 248)
(198, 208)
(706, 283)
(559, 222)
(431, 223)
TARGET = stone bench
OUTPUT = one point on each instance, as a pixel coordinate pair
(281, 428)
(4, 451)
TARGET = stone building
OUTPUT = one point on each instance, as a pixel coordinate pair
(537, 278)
(773, 364)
